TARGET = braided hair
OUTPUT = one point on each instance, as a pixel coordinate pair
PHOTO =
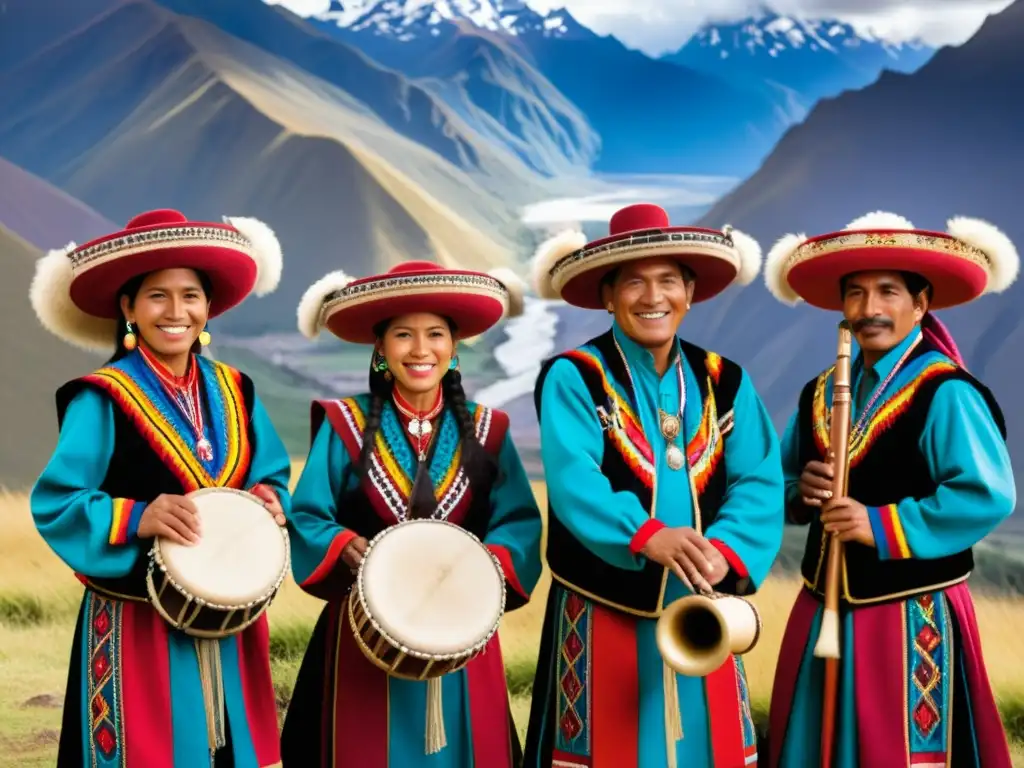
(480, 467)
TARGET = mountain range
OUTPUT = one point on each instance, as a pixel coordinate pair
(811, 59)
(690, 112)
(128, 105)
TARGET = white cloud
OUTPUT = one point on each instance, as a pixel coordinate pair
(658, 26)
(302, 7)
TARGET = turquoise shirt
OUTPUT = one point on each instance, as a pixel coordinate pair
(750, 520)
(965, 454)
(76, 518)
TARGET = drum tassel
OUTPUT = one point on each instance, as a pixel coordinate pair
(212, 680)
(673, 714)
(436, 738)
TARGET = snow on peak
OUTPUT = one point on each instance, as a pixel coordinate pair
(774, 34)
(401, 17)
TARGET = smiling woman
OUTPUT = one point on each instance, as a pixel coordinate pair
(412, 457)
(137, 438)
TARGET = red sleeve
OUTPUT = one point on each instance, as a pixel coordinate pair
(505, 558)
(643, 535)
(733, 559)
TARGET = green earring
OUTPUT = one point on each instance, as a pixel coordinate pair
(379, 362)
(454, 364)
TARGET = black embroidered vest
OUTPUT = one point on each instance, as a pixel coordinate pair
(141, 467)
(572, 563)
(887, 467)
(366, 507)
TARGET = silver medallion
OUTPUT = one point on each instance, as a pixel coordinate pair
(674, 457)
(669, 426)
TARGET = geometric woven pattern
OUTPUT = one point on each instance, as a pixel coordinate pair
(103, 644)
(572, 732)
(929, 686)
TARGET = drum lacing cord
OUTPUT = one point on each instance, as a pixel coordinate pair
(436, 738)
(212, 680)
(673, 714)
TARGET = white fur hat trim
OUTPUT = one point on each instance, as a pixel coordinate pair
(775, 268)
(50, 295)
(515, 287)
(266, 252)
(879, 220)
(1004, 262)
(749, 252)
(310, 311)
(549, 253)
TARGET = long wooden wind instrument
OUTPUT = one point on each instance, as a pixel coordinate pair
(828, 643)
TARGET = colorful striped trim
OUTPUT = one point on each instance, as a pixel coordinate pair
(929, 698)
(122, 512)
(168, 443)
(713, 361)
(706, 449)
(885, 415)
(627, 437)
(388, 474)
(890, 538)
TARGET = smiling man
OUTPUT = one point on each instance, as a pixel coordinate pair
(929, 477)
(663, 477)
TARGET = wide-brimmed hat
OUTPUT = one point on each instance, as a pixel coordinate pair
(970, 259)
(352, 308)
(567, 267)
(75, 289)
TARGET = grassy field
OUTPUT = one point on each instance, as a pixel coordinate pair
(39, 599)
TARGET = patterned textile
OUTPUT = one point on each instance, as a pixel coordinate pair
(106, 742)
(573, 675)
(136, 389)
(929, 687)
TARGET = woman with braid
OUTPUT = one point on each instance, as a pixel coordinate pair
(412, 447)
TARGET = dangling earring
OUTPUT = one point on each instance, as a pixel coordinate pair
(379, 363)
(454, 364)
(129, 340)
(204, 337)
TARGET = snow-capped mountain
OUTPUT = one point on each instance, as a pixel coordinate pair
(815, 57)
(479, 51)
(407, 20)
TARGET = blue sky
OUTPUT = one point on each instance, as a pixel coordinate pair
(657, 26)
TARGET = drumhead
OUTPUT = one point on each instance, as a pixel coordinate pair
(241, 552)
(432, 587)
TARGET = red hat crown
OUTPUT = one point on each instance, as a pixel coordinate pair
(409, 267)
(162, 217)
(638, 217)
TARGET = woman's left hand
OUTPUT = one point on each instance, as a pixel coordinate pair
(270, 501)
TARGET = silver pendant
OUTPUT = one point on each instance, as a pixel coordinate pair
(420, 428)
(205, 450)
(674, 457)
(669, 426)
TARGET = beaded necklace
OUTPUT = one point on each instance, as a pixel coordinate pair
(184, 393)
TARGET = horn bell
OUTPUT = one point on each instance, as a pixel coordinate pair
(696, 634)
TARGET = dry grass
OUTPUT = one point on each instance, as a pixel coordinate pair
(34, 649)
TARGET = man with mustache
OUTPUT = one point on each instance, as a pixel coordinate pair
(663, 478)
(929, 477)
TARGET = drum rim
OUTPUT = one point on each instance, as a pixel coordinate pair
(156, 561)
(358, 593)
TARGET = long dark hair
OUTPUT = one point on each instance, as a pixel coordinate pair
(131, 290)
(479, 466)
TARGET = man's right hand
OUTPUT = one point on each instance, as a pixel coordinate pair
(686, 552)
(353, 553)
(816, 483)
(172, 517)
